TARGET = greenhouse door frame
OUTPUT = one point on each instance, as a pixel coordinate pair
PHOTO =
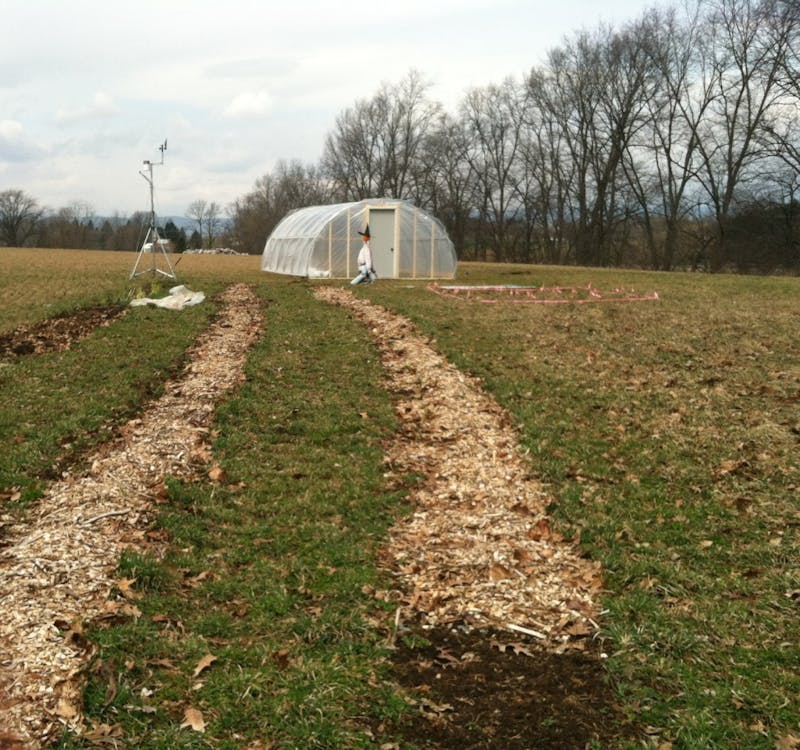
(384, 241)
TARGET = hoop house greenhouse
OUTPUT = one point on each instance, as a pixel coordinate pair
(323, 242)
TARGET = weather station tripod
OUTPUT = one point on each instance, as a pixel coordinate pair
(153, 245)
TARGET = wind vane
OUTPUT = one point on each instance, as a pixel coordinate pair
(153, 245)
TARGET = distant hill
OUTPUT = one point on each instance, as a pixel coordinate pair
(182, 222)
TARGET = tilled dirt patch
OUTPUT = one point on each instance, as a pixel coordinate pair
(484, 690)
(58, 333)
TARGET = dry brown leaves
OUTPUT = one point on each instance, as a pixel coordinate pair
(57, 565)
(479, 548)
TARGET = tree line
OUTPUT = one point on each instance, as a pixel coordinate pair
(23, 222)
(672, 141)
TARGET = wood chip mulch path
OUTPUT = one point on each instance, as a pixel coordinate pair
(57, 564)
(479, 549)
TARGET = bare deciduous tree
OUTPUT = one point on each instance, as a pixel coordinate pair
(449, 182)
(197, 212)
(208, 217)
(549, 167)
(71, 226)
(493, 118)
(292, 185)
(20, 217)
(661, 162)
(213, 223)
(752, 40)
(376, 145)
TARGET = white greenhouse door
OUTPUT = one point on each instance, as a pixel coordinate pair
(381, 229)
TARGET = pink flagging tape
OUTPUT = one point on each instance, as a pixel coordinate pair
(543, 295)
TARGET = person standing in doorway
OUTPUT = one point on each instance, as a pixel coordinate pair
(365, 270)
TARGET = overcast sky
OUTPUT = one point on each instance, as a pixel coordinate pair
(89, 89)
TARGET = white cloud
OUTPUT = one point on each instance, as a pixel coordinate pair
(15, 145)
(101, 105)
(251, 67)
(249, 104)
(10, 130)
(80, 112)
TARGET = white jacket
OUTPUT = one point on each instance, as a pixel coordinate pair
(365, 256)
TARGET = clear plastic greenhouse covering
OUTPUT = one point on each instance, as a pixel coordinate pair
(323, 242)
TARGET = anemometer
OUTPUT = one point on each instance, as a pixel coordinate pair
(153, 244)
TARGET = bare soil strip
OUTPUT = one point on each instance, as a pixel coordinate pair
(57, 566)
(479, 549)
(58, 333)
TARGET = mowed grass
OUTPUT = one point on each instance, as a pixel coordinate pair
(55, 406)
(667, 432)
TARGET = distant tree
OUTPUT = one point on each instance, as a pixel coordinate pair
(128, 233)
(195, 240)
(197, 212)
(663, 158)
(20, 218)
(492, 118)
(208, 217)
(599, 89)
(548, 173)
(450, 181)
(298, 185)
(752, 40)
(376, 145)
(70, 227)
(213, 223)
(176, 236)
(254, 215)
(104, 234)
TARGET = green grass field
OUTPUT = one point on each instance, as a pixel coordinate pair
(668, 433)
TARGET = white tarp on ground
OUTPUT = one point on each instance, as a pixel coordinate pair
(178, 298)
